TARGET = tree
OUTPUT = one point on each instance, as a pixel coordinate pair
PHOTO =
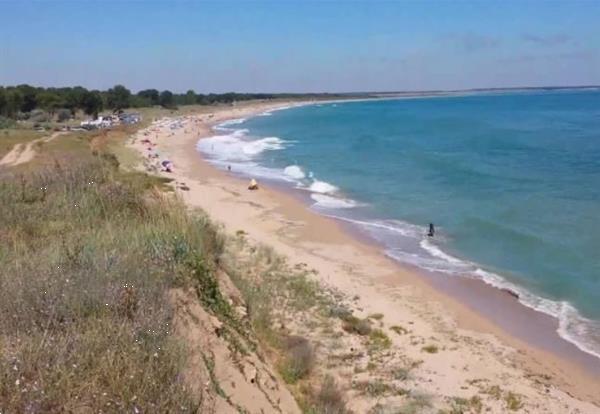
(14, 101)
(189, 98)
(74, 98)
(2, 102)
(118, 98)
(150, 95)
(49, 101)
(92, 103)
(30, 97)
(166, 99)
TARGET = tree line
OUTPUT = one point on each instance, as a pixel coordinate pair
(20, 99)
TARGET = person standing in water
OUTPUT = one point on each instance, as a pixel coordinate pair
(431, 230)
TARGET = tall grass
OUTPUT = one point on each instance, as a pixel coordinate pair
(87, 255)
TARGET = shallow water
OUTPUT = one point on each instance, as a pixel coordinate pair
(511, 181)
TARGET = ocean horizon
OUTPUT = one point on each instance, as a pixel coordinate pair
(510, 180)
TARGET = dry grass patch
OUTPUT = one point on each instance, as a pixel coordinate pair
(378, 340)
(298, 360)
(354, 325)
(378, 388)
(329, 399)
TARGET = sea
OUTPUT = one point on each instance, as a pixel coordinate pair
(511, 182)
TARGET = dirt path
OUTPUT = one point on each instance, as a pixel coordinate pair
(22, 153)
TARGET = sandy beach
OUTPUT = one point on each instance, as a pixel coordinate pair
(484, 336)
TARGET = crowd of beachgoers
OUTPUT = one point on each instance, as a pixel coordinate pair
(154, 159)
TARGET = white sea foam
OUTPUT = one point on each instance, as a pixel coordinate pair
(235, 146)
(328, 202)
(322, 187)
(294, 171)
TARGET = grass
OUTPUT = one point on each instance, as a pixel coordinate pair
(13, 136)
(376, 316)
(328, 400)
(463, 405)
(417, 403)
(378, 388)
(354, 325)
(89, 253)
(378, 340)
(513, 401)
(430, 349)
(399, 329)
(401, 373)
(298, 361)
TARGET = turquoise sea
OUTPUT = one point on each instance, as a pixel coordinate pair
(510, 180)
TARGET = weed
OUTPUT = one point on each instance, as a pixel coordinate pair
(399, 329)
(378, 388)
(299, 359)
(329, 399)
(495, 391)
(431, 349)
(379, 340)
(513, 401)
(401, 373)
(352, 324)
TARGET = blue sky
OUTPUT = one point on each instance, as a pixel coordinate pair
(299, 45)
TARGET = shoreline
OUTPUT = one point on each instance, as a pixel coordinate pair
(356, 267)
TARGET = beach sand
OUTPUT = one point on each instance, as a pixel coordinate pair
(475, 350)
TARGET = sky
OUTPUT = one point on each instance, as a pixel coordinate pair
(299, 46)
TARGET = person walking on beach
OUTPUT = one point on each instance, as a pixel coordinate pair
(431, 230)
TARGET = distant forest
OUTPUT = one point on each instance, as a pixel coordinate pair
(65, 102)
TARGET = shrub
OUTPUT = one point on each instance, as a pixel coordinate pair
(399, 329)
(63, 115)
(431, 349)
(401, 373)
(329, 399)
(378, 388)
(6, 122)
(299, 359)
(379, 340)
(513, 401)
(352, 324)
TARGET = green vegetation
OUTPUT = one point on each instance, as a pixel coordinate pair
(376, 316)
(378, 388)
(431, 349)
(378, 340)
(352, 324)
(298, 361)
(328, 400)
(10, 137)
(401, 373)
(399, 329)
(462, 406)
(89, 253)
(17, 102)
(513, 401)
